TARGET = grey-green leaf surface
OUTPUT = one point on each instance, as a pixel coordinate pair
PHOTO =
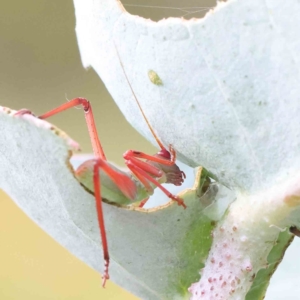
(156, 254)
(285, 282)
(230, 94)
(262, 278)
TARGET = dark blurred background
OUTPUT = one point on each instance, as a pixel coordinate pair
(40, 68)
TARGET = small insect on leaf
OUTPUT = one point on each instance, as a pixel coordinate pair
(154, 78)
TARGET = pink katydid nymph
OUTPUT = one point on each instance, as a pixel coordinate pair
(146, 172)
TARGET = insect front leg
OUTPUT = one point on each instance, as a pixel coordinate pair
(157, 168)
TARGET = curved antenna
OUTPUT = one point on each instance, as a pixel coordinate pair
(138, 103)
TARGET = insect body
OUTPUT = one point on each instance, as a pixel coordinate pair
(111, 191)
(146, 172)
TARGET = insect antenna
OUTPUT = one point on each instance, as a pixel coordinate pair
(138, 103)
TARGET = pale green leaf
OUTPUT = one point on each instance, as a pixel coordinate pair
(229, 102)
(155, 253)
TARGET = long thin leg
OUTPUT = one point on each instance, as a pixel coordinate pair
(142, 170)
(164, 161)
(100, 162)
(167, 160)
(152, 170)
(174, 174)
(89, 117)
(97, 189)
(137, 170)
(100, 157)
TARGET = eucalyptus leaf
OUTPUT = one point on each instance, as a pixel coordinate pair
(261, 281)
(155, 253)
(230, 82)
(228, 100)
